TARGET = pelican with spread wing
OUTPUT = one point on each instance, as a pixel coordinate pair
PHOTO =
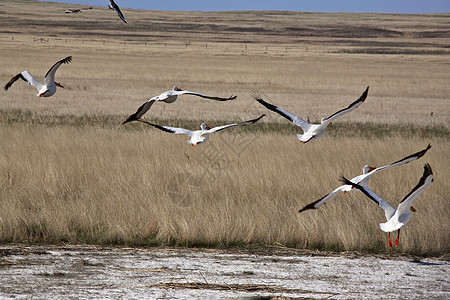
(397, 218)
(202, 135)
(49, 87)
(169, 97)
(363, 179)
(312, 131)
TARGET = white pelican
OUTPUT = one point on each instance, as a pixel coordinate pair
(72, 11)
(49, 87)
(363, 179)
(312, 131)
(397, 218)
(116, 8)
(169, 97)
(202, 135)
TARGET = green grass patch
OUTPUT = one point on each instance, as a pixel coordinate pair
(366, 130)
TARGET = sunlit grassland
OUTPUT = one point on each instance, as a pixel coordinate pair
(69, 172)
(94, 185)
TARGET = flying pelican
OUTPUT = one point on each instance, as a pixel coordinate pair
(116, 8)
(72, 11)
(363, 179)
(49, 87)
(312, 131)
(202, 135)
(397, 218)
(75, 10)
(169, 97)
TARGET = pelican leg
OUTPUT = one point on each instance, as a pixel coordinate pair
(397, 239)
(389, 240)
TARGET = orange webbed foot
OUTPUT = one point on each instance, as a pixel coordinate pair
(389, 240)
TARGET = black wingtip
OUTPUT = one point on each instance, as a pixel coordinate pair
(14, 79)
(266, 104)
(422, 153)
(257, 119)
(66, 60)
(364, 95)
(260, 117)
(130, 119)
(345, 180)
(427, 170)
(307, 207)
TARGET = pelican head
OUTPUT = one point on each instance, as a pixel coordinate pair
(175, 88)
(368, 169)
(205, 127)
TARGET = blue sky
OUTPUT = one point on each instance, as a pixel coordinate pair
(389, 6)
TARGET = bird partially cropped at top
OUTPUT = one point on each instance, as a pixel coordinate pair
(169, 97)
(49, 87)
(312, 131)
(397, 218)
(116, 8)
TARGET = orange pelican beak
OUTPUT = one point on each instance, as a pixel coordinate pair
(371, 168)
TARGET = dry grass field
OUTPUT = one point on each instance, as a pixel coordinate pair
(69, 173)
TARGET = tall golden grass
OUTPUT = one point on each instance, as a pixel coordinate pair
(69, 173)
(94, 185)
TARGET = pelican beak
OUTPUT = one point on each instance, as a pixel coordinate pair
(371, 169)
(208, 127)
(412, 209)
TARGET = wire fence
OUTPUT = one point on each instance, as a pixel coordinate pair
(236, 47)
(173, 45)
